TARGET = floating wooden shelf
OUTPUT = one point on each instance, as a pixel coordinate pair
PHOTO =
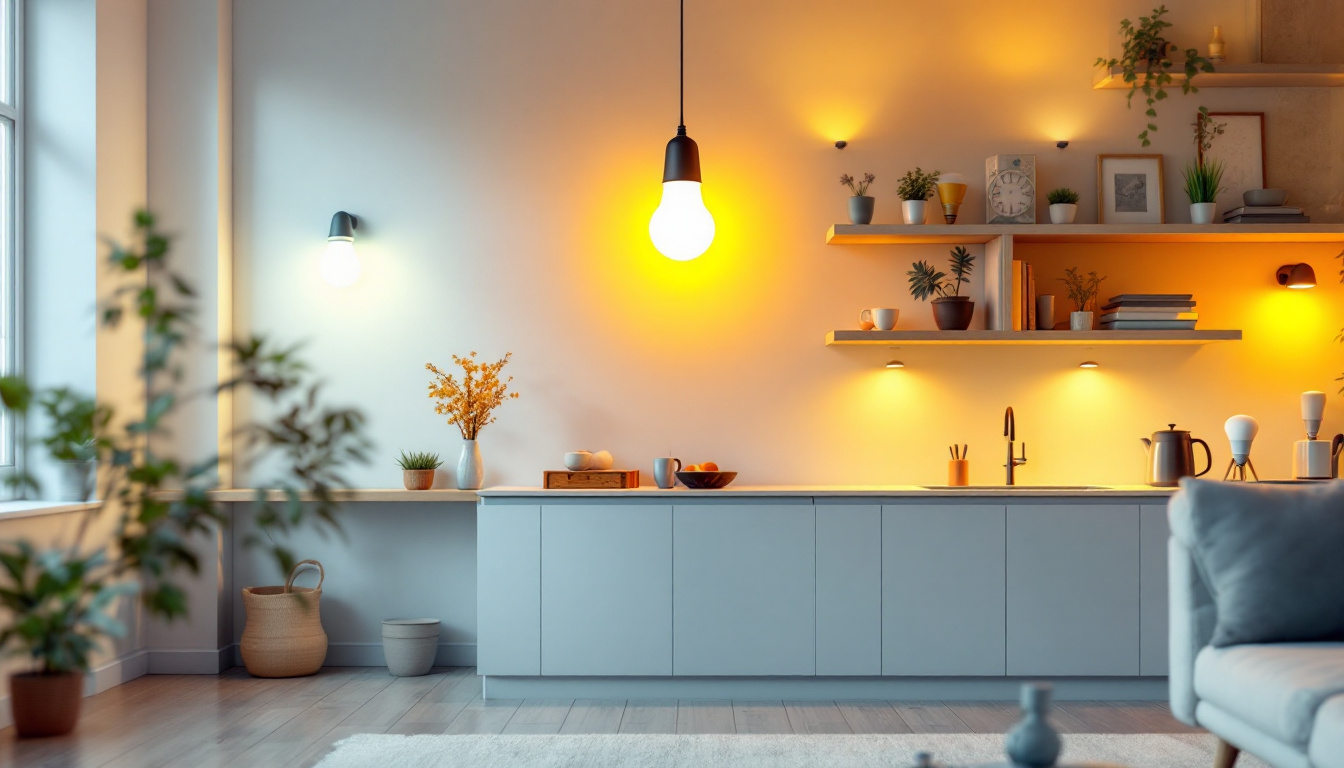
(342, 495)
(987, 338)
(885, 234)
(1243, 76)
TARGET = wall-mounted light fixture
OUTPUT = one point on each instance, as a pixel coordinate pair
(1296, 276)
(340, 263)
(1089, 364)
(841, 144)
(1062, 144)
(895, 364)
(682, 227)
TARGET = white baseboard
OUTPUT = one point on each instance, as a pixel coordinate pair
(190, 661)
(110, 675)
(371, 655)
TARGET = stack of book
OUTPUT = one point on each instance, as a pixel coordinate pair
(1265, 214)
(1149, 312)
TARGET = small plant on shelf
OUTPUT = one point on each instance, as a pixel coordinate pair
(860, 204)
(858, 188)
(1204, 177)
(1062, 196)
(951, 310)
(1063, 205)
(417, 469)
(1145, 64)
(1083, 292)
(917, 185)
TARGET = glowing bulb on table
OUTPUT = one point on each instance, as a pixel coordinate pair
(340, 264)
(1241, 431)
(682, 227)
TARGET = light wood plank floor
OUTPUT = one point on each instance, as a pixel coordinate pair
(235, 719)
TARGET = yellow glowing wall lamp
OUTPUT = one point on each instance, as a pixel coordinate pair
(1296, 276)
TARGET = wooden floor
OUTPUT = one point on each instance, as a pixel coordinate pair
(235, 719)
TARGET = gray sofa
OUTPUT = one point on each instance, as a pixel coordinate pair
(1280, 701)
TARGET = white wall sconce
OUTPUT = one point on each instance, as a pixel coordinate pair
(340, 264)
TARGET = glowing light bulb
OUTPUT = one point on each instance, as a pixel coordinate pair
(1241, 431)
(682, 227)
(340, 264)
(951, 191)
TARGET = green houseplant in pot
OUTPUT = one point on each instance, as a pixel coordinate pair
(1063, 205)
(951, 310)
(915, 189)
(860, 202)
(417, 469)
(1083, 293)
(1204, 177)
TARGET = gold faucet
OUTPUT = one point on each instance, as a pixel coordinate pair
(1010, 435)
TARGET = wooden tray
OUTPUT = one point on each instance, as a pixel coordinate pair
(606, 478)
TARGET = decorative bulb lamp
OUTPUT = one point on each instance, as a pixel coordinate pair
(682, 227)
(340, 263)
(1314, 459)
(951, 191)
(1241, 431)
(1296, 276)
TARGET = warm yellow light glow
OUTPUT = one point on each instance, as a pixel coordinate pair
(682, 227)
(895, 364)
(1088, 364)
(340, 264)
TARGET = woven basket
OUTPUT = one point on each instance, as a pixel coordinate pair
(283, 636)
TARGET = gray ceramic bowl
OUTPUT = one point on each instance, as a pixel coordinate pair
(1264, 196)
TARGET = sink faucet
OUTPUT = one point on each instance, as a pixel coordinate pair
(1010, 435)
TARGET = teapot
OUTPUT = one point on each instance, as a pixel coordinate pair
(1171, 456)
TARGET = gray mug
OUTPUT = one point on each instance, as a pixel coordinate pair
(664, 471)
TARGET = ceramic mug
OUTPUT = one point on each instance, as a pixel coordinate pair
(884, 319)
(665, 471)
(866, 320)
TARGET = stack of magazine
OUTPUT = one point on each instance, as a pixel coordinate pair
(1266, 214)
(1149, 312)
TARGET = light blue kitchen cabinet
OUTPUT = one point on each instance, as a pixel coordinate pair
(849, 589)
(508, 587)
(606, 589)
(743, 599)
(1153, 535)
(1073, 590)
(943, 590)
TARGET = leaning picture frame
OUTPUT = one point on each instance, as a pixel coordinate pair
(1241, 150)
(1130, 189)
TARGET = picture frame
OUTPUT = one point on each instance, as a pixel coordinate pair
(1130, 189)
(1241, 148)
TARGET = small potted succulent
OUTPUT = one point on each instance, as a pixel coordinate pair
(1083, 293)
(1063, 205)
(915, 189)
(417, 470)
(951, 310)
(1204, 177)
(860, 203)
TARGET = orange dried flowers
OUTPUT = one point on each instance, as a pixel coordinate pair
(470, 403)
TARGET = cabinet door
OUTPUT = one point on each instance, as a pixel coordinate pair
(849, 590)
(606, 590)
(1154, 532)
(743, 600)
(508, 589)
(1073, 590)
(943, 590)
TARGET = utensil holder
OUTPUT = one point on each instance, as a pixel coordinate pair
(958, 472)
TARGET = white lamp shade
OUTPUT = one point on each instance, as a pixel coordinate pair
(340, 264)
(682, 228)
(1241, 431)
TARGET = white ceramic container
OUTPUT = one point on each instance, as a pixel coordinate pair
(914, 211)
(409, 645)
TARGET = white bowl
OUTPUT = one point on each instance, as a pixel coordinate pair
(577, 461)
(1264, 197)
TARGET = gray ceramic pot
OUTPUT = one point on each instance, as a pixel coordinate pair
(409, 645)
(953, 313)
(861, 209)
(1033, 743)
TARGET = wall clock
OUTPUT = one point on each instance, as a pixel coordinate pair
(1010, 189)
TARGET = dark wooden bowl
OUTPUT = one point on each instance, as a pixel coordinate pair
(706, 479)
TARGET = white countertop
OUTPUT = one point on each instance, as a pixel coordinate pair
(833, 491)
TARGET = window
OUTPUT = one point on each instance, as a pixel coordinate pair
(11, 136)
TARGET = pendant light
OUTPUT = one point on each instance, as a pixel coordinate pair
(682, 227)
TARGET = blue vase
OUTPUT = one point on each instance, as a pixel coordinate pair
(1033, 743)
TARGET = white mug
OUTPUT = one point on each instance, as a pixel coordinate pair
(1312, 460)
(884, 318)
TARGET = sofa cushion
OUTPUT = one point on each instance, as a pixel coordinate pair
(1327, 738)
(1270, 555)
(1276, 688)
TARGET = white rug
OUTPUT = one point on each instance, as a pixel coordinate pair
(867, 751)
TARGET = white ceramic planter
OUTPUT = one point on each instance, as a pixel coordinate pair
(470, 470)
(861, 209)
(1063, 213)
(914, 211)
(409, 645)
(77, 480)
(1080, 321)
(1202, 213)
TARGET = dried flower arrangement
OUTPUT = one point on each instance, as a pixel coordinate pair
(858, 188)
(470, 403)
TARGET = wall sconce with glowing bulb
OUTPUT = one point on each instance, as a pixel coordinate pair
(340, 263)
(1089, 364)
(895, 364)
(1296, 276)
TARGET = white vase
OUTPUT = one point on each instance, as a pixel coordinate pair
(1063, 213)
(914, 211)
(1202, 213)
(470, 470)
(1080, 321)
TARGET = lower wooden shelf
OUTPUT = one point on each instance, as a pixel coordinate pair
(986, 338)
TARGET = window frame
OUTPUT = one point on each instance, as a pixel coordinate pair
(11, 431)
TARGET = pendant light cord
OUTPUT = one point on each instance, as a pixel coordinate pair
(681, 123)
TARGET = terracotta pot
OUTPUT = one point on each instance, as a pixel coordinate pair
(953, 313)
(45, 704)
(417, 479)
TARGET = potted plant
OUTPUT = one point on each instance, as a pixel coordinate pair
(1063, 205)
(1204, 177)
(1083, 293)
(1145, 64)
(951, 310)
(470, 404)
(860, 204)
(417, 470)
(915, 189)
(75, 423)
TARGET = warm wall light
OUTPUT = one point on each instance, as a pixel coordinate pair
(895, 364)
(340, 263)
(1062, 144)
(682, 227)
(1297, 276)
(1088, 364)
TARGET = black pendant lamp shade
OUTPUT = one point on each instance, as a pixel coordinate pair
(343, 225)
(683, 158)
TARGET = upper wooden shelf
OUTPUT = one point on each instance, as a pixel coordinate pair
(341, 495)
(986, 338)
(883, 234)
(1244, 76)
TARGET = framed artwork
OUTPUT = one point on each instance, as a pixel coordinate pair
(1129, 189)
(1241, 149)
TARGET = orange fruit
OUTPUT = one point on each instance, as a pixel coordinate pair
(691, 468)
(709, 466)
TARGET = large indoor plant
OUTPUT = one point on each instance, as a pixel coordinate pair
(470, 405)
(915, 189)
(1145, 64)
(60, 601)
(951, 310)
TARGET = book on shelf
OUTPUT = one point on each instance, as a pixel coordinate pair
(1017, 295)
(1149, 325)
(1163, 297)
(1158, 305)
(1263, 210)
(1269, 219)
(1141, 315)
(1030, 309)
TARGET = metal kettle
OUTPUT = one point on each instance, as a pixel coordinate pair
(1171, 456)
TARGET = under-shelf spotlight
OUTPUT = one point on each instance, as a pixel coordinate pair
(895, 364)
(1296, 276)
(1089, 364)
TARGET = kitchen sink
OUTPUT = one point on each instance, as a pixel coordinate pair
(1011, 488)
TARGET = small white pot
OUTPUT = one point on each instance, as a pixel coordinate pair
(1202, 213)
(1063, 213)
(915, 211)
(409, 645)
(1080, 321)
